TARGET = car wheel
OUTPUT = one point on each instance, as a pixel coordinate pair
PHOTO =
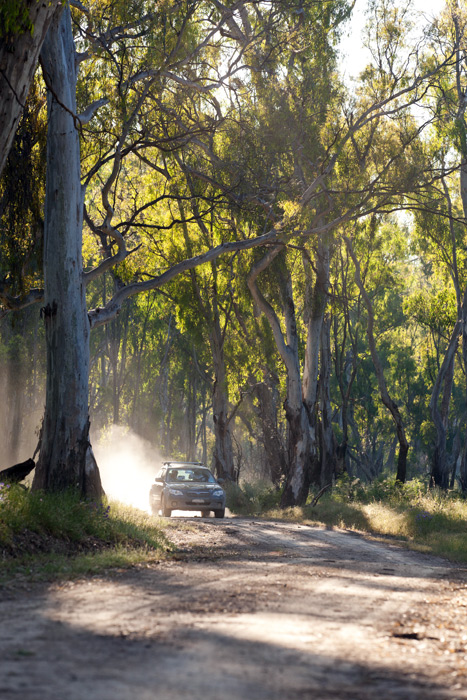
(166, 512)
(205, 513)
(219, 513)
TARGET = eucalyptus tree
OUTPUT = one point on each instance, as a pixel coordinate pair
(22, 186)
(290, 111)
(364, 161)
(260, 379)
(145, 98)
(456, 35)
(346, 351)
(385, 275)
(416, 174)
(204, 309)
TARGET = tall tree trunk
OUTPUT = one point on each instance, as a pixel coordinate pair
(461, 127)
(135, 410)
(297, 481)
(66, 458)
(161, 389)
(204, 432)
(18, 59)
(15, 393)
(316, 297)
(270, 438)
(223, 450)
(223, 457)
(440, 414)
(297, 484)
(463, 465)
(113, 356)
(440, 466)
(345, 362)
(191, 411)
(328, 443)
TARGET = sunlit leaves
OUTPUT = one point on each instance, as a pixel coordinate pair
(436, 310)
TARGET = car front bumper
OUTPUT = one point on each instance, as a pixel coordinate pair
(186, 502)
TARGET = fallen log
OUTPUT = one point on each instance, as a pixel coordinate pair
(316, 498)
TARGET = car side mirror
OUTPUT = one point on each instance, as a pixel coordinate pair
(221, 481)
(159, 480)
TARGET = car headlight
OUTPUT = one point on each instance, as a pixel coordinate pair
(175, 492)
(218, 493)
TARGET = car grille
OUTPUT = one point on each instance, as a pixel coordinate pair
(197, 495)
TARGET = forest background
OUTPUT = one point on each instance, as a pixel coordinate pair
(273, 259)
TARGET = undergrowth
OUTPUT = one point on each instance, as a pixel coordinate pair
(46, 534)
(424, 519)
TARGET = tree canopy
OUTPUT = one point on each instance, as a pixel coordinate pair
(235, 253)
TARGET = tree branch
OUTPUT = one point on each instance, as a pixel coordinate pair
(16, 303)
(102, 315)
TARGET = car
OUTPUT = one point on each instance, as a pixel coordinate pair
(186, 486)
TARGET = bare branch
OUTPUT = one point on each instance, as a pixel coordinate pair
(265, 306)
(79, 6)
(375, 111)
(89, 112)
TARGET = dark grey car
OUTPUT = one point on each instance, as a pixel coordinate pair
(186, 486)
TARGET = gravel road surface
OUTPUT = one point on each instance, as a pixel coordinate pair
(245, 610)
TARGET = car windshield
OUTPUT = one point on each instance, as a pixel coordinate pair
(197, 474)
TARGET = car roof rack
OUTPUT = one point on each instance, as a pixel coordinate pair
(187, 464)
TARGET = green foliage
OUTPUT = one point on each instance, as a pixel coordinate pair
(436, 310)
(251, 498)
(382, 489)
(14, 19)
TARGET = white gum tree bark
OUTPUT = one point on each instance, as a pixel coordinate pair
(65, 457)
(306, 464)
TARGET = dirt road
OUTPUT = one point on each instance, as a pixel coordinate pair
(247, 610)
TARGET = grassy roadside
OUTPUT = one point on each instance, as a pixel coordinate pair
(422, 519)
(49, 536)
(45, 536)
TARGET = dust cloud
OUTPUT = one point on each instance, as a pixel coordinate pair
(127, 464)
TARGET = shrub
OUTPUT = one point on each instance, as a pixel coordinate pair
(252, 498)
